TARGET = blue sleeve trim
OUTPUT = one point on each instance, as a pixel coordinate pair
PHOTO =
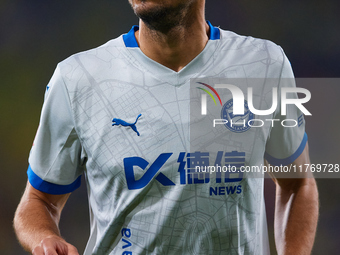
(51, 188)
(214, 33)
(289, 160)
(130, 39)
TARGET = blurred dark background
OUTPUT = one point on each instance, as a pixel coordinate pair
(36, 35)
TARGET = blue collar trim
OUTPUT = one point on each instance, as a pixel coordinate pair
(130, 39)
(131, 42)
(214, 33)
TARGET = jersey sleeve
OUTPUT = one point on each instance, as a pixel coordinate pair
(287, 138)
(57, 159)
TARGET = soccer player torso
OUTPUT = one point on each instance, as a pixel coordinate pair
(132, 118)
(145, 198)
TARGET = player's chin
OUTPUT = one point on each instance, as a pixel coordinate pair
(150, 4)
(144, 2)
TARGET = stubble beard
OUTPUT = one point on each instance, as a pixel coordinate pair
(163, 18)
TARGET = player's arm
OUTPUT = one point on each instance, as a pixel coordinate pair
(296, 211)
(36, 223)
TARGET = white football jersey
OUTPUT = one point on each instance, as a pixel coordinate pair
(123, 120)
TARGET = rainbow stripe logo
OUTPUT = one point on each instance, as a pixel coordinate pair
(204, 97)
(209, 93)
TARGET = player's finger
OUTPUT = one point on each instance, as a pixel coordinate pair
(38, 251)
(51, 251)
(62, 248)
(49, 246)
(72, 250)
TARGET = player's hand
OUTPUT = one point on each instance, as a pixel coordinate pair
(54, 245)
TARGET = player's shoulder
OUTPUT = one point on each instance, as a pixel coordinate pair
(93, 59)
(231, 40)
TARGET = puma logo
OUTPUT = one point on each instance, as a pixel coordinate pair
(117, 122)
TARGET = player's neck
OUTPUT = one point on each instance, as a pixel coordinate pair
(176, 48)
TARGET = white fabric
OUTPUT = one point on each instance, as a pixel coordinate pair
(89, 89)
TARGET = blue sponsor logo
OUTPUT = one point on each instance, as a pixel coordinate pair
(228, 190)
(191, 169)
(132, 183)
(126, 234)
